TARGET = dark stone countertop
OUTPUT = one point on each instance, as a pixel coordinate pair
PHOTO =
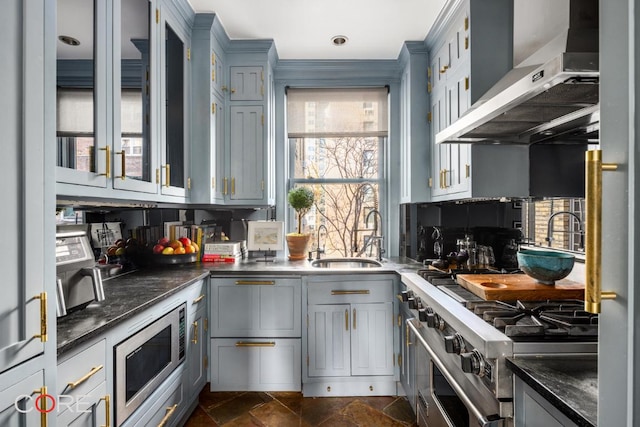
(129, 294)
(570, 383)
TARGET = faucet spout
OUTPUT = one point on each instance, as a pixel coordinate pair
(549, 237)
(376, 236)
(318, 250)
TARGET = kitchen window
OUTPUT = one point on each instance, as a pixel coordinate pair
(555, 223)
(337, 145)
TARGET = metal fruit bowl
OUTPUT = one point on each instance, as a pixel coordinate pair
(174, 259)
(545, 266)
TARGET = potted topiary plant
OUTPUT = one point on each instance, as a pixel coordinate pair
(301, 200)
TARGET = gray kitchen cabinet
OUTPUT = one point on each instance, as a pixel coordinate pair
(350, 336)
(89, 411)
(18, 397)
(246, 83)
(472, 48)
(27, 306)
(414, 132)
(247, 154)
(197, 338)
(139, 135)
(407, 362)
(208, 109)
(255, 333)
(533, 410)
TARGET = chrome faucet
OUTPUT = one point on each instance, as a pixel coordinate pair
(549, 237)
(318, 250)
(376, 235)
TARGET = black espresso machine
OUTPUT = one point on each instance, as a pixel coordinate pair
(78, 280)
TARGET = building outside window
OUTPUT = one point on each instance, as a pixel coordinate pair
(555, 223)
(337, 142)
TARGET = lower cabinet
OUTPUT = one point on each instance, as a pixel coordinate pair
(239, 364)
(255, 333)
(350, 336)
(18, 396)
(407, 361)
(162, 408)
(533, 410)
(88, 410)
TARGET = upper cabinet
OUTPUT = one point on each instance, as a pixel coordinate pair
(471, 49)
(232, 120)
(123, 105)
(414, 127)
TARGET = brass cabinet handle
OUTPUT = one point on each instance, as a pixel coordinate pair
(233, 186)
(42, 391)
(197, 300)
(167, 173)
(195, 333)
(233, 91)
(346, 319)
(354, 319)
(354, 292)
(444, 69)
(43, 317)
(167, 416)
(255, 282)
(107, 407)
(88, 375)
(224, 191)
(256, 344)
(123, 165)
(593, 294)
(407, 335)
(107, 150)
(467, 169)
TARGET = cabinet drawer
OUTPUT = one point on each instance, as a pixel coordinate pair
(196, 296)
(83, 371)
(255, 307)
(350, 290)
(86, 409)
(256, 364)
(165, 404)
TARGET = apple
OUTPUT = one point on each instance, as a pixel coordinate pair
(167, 251)
(189, 249)
(157, 249)
(179, 251)
(175, 244)
(111, 251)
(120, 251)
(164, 241)
(185, 241)
(119, 243)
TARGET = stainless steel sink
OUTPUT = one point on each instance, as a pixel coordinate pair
(346, 263)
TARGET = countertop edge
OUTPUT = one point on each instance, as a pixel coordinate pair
(537, 383)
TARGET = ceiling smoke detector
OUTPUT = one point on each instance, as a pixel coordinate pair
(71, 41)
(339, 40)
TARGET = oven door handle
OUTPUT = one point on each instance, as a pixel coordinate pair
(484, 421)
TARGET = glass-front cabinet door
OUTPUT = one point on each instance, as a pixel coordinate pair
(174, 82)
(135, 155)
(82, 152)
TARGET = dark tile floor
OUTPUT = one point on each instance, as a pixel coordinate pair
(284, 409)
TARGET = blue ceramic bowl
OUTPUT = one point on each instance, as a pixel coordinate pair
(545, 266)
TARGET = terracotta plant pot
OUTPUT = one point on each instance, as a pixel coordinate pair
(297, 244)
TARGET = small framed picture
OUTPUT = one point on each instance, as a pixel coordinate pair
(517, 204)
(265, 235)
(517, 225)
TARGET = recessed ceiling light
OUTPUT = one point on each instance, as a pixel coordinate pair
(339, 40)
(69, 40)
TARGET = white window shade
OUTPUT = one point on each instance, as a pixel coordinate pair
(75, 111)
(131, 112)
(334, 112)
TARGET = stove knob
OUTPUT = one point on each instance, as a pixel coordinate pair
(472, 363)
(454, 343)
(422, 314)
(412, 303)
(405, 296)
(433, 320)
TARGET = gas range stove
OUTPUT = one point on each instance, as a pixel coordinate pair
(469, 339)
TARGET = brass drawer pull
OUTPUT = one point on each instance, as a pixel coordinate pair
(354, 292)
(194, 340)
(107, 150)
(170, 411)
(43, 335)
(89, 374)
(123, 164)
(255, 282)
(197, 300)
(107, 406)
(256, 344)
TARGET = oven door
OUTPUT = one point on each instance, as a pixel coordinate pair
(144, 360)
(441, 399)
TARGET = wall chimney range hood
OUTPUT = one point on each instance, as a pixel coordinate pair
(553, 95)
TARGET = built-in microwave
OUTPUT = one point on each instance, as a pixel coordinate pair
(144, 360)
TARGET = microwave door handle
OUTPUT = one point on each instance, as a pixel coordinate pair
(96, 278)
(483, 421)
(61, 304)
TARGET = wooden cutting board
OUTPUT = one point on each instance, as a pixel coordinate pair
(511, 287)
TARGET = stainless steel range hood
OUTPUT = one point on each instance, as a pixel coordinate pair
(552, 95)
